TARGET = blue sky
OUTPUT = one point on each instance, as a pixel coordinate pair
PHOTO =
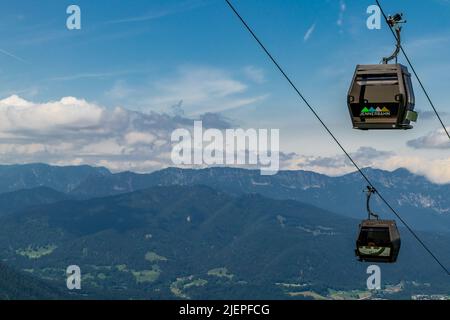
(149, 55)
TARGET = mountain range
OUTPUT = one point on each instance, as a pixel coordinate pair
(213, 233)
(425, 205)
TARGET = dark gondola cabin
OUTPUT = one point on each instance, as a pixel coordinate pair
(381, 97)
(378, 241)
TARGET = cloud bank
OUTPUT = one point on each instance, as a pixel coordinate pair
(74, 131)
(434, 140)
(436, 170)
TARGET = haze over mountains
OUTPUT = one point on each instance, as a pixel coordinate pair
(212, 233)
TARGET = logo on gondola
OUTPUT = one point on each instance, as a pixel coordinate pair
(375, 111)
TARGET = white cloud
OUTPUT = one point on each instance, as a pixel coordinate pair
(191, 90)
(109, 147)
(437, 139)
(201, 89)
(364, 156)
(120, 91)
(197, 85)
(136, 137)
(255, 74)
(431, 115)
(309, 32)
(74, 131)
(436, 170)
(19, 115)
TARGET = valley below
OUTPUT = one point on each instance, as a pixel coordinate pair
(186, 234)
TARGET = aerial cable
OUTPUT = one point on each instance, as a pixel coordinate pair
(333, 136)
(397, 37)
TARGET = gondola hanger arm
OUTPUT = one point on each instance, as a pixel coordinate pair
(369, 191)
(395, 23)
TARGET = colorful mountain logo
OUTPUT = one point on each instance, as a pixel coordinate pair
(377, 112)
(365, 110)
